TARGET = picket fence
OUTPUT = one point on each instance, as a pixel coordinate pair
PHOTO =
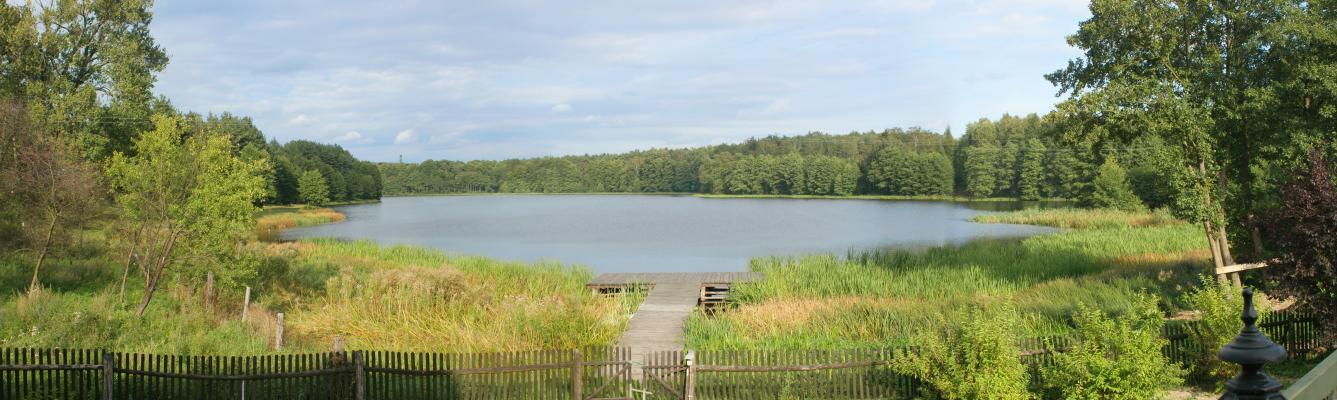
(591, 373)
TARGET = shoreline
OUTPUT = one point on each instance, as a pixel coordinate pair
(954, 199)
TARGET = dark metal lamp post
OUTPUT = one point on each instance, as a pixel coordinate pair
(1251, 350)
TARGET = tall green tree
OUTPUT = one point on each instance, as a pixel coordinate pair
(1031, 174)
(1212, 79)
(312, 189)
(980, 170)
(192, 198)
(85, 68)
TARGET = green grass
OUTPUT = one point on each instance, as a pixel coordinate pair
(392, 298)
(410, 298)
(878, 298)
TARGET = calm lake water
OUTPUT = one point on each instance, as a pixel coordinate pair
(637, 233)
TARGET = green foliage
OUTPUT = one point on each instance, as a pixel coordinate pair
(1239, 93)
(1112, 190)
(1116, 358)
(900, 171)
(1031, 174)
(312, 189)
(877, 298)
(346, 178)
(192, 196)
(85, 69)
(978, 359)
(1218, 306)
(980, 170)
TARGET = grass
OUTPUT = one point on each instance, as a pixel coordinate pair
(392, 298)
(410, 298)
(274, 219)
(877, 298)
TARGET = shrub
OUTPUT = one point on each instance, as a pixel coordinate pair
(1219, 306)
(1304, 229)
(978, 359)
(1112, 189)
(1114, 358)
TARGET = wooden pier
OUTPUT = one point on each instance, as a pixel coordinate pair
(658, 324)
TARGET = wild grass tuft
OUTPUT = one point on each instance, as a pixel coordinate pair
(880, 297)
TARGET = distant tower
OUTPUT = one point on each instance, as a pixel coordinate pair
(401, 158)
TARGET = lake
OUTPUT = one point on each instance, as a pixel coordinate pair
(651, 233)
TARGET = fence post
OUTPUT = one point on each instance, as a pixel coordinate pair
(246, 303)
(1251, 350)
(359, 376)
(689, 391)
(108, 363)
(278, 334)
(576, 376)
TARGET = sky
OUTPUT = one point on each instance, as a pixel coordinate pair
(509, 79)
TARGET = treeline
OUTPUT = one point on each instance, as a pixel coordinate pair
(343, 177)
(1011, 157)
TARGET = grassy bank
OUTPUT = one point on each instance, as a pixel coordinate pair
(878, 298)
(274, 219)
(398, 297)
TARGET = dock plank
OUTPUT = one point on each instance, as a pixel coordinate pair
(658, 324)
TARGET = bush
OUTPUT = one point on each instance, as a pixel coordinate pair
(1219, 305)
(979, 359)
(1304, 232)
(1114, 358)
(1112, 189)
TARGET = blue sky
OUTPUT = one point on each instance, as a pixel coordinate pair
(504, 79)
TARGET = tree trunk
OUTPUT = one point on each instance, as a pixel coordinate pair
(129, 256)
(46, 244)
(156, 276)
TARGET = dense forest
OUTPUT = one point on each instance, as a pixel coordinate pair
(1011, 157)
(344, 177)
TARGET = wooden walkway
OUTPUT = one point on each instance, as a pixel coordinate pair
(657, 325)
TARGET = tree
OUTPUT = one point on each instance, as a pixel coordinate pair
(46, 181)
(1112, 190)
(192, 198)
(85, 67)
(1304, 233)
(1236, 88)
(980, 165)
(1031, 174)
(312, 189)
(1117, 358)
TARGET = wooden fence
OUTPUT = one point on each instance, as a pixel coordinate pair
(593, 373)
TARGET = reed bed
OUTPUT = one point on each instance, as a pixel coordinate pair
(877, 298)
(277, 218)
(414, 299)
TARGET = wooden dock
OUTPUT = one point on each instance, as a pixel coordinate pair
(658, 324)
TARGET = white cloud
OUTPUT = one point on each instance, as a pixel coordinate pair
(300, 119)
(407, 136)
(777, 106)
(351, 136)
(561, 108)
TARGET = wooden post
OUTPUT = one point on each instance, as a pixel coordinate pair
(209, 294)
(576, 376)
(359, 377)
(689, 391)
(278, 334)
(246, 303)
(108, 374)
